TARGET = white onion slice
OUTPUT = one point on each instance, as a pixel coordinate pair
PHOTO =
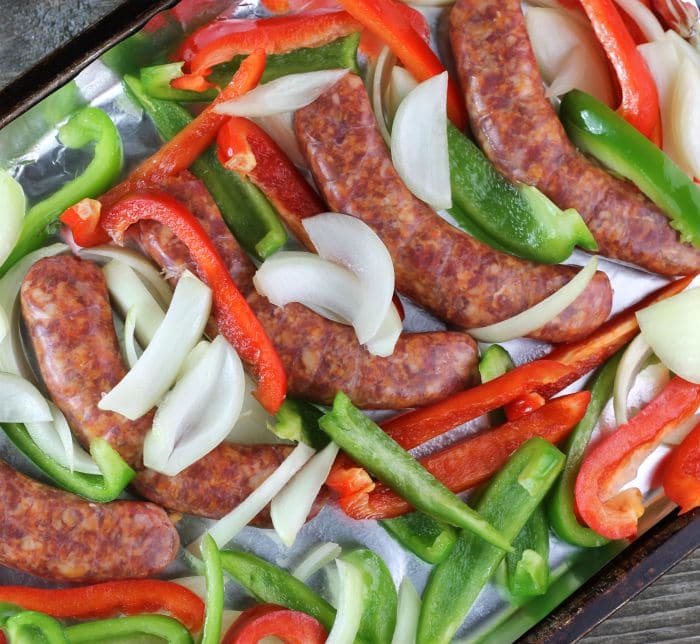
(670, 328)
(350, 604)
(568, 53)
(647, 22)
(380, 77)
(352, 243)
(285, 94)
(155, 372)
(4, 324)
(281, 128)
(292, 505)
(198, 413)
(129, 348)
(685, 117)
(12, 356)
(317, 558)
(407, 613)
(401, 84)
(636, 354)
(229, 526)
(419, 142)
(543, 312)
(251, 426)
(195, 583)
(12, 209)
(21, 401)
(384, 342)
(149, 273)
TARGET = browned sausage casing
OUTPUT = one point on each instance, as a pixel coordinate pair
(450, 273)
(519, 131)
(66, 310)
(320, 357)
(57, 535)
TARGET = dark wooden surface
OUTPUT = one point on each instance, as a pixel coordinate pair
(668, 611)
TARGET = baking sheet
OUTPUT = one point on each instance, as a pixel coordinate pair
(29, 148)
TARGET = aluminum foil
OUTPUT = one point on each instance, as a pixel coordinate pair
(30, 150)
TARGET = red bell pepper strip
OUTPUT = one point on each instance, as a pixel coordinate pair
(265, 620)
(640, 99)
(391, 25)
(83, 219)
(474, 459)
(371, 46)
(606, 510)
(276, 6)
(130, 597)
(682, 472)
(235, 319)
(523, 405)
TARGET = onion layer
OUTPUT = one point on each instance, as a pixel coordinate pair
(11, 213)
(21, 401)
(636, 354)
(317, 558)
(350, 604)
(407, 613)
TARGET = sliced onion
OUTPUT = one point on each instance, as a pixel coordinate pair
(285, 94)
(643, 17)
(195, 583)
(145, 270)
(229, 526)
(316, 559)
(350, 604)
(670, 328)
(21, 401)
(251, 426)
(568, 53)
(292, 505)
(407, 614)
(198, 413)
(4, 324)
(352, 243)
(156, 370)
(129, 348)
(380, 77)
(636, 354)
(12, 356)
(281, 128)
(419, 142)
(13, 206)
(401, 84)
(129, 293)
(384, 342)
(543, 312)
(685, 117)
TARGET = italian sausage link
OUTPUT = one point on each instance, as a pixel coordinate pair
(57, 535)
(320, 357)
(450, 273)
(519, 131)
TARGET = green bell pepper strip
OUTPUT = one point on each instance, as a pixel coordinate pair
(527, 569)
(605, 135)
(272, 585)
(166, 628)
(116, 474)
(6, 611)
(494, 362)
(30, 627)
(383, 457)
(425, 537)
(518, 218)
(214, 603)
(88, 125)
(508, 501)
(338, 54)
(380, 601)
(244, 208)
(297, 420)
(560, 504)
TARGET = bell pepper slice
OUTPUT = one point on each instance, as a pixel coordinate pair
(527, 569)
(234, 317)
(523, 405)
(276, 6)
(129, 629)
(613, 461)
(214, 576)
(89, 125)
(419, 533)
(83, 219)
(682, 473)
(266, 620)
(32, 626)
(640, 98)
(129, 597)
(386, 22)
(474, 459)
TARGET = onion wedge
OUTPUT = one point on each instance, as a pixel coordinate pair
(198, 413)
(380, 77)
(316, 559)
(350, 604)
(4, 324)
(536, 317)
(401, 84)
(644, 18)
(292, 505)
(11, 214)
(419, 142)
(670, 328)
(351, 243)
(636, 354)
(407, 614)
(21, 401)
(685, 117)
(285, 94)
(156, 370)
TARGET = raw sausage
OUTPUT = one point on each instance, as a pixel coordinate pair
(519, 131)
(57, 535)
(456, 277)
(320, 356)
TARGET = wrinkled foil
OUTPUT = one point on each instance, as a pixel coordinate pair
(30, 150)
